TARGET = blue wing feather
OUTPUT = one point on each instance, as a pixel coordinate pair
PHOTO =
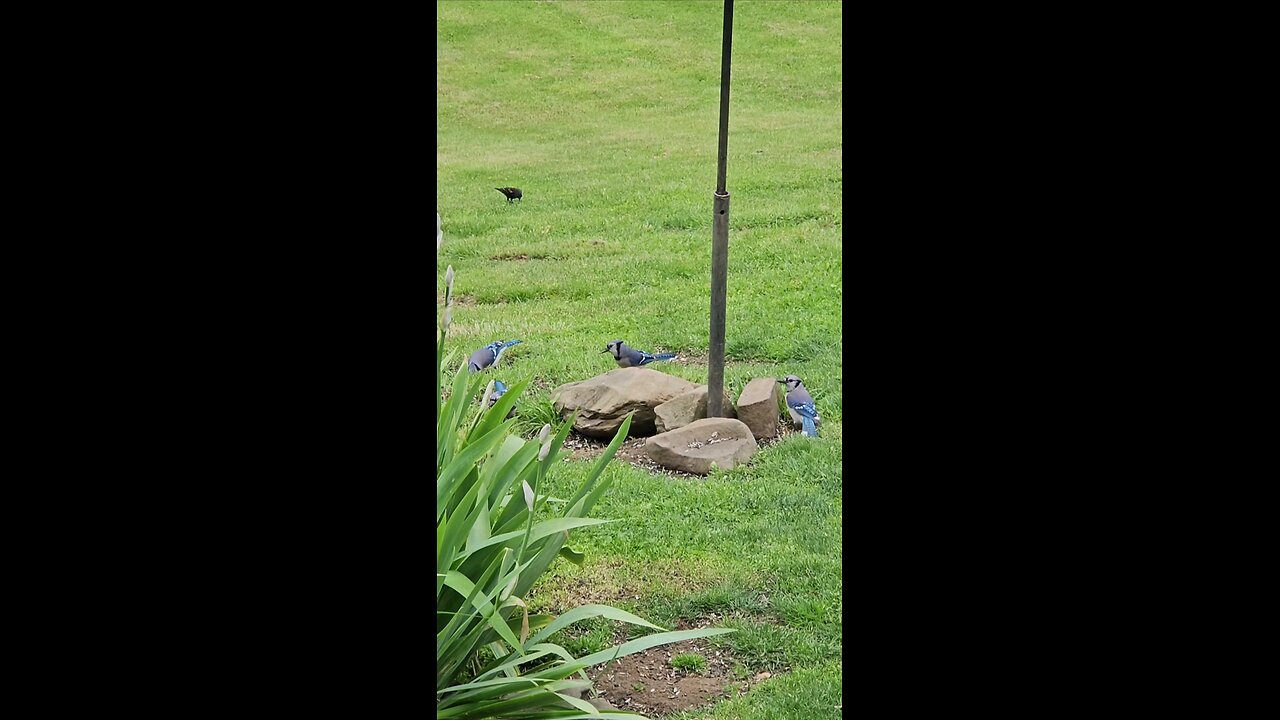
(805, 409)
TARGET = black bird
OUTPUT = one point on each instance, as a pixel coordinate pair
(511, 193)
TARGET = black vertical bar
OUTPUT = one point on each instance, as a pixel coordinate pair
(720, 236)
(724, 95)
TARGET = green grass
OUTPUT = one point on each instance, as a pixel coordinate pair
(605, 115)
(812, 692)
(689, 662)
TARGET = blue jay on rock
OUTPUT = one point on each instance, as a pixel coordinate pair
(488, 355)
(631, 357)
(800, 403)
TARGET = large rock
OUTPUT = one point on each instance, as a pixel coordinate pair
(684, 409)
(604, 401)
(760, 406)
(692, 448)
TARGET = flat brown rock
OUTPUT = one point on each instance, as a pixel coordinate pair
(693, 448)
(603, 401)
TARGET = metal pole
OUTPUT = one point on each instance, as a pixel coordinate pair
(720, 236)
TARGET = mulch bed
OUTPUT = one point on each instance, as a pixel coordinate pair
(646, 682)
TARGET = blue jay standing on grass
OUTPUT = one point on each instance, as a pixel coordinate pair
(499, 389)
(800, 403)
(488, 355)
(631, 357)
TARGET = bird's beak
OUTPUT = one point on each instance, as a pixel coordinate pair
(783, 381)
(605, 350)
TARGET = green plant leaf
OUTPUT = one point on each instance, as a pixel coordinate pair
(557, 441)
(589, 611)
(541, 530)
(572, 555)
(639, 645)
(447, 649)
(499, 682)
(587, 495)
(652, 641)
(451, 416)
(479, 531)
(578, 703)
(506, 464)
(535, 651)
(518, 704)
(459, 582)
(579, 507)
(447, 480)
(457, 527)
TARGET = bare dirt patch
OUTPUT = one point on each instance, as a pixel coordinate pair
(581, 447)
(543, 384)
(459, 300)
(510, 256)
(647, 683)
(632, 452)
(611, 581)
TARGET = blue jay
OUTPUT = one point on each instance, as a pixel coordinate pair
(631, 357)
(500, 389)
(488, 355)
(800, 404)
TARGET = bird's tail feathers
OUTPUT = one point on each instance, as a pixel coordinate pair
(809, 428)
(502, 349)
(664, 356)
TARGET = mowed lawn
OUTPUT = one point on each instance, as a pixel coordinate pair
(605, 114)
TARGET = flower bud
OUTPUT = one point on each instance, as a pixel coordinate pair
(448, 281)
(488, 393)
(545, 451)
(544, 433)
(448, 318)
(528, 495)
